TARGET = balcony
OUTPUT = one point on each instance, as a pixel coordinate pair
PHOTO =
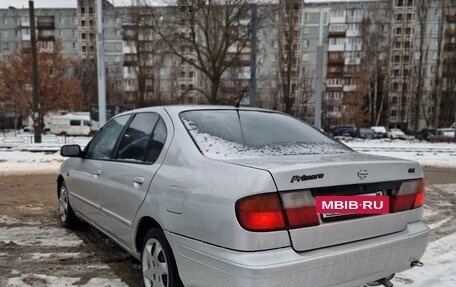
(129, 35)
(334, 88)
(45, 25)
(336, 61)
(451, 32)
(45, 22)
(352, 61)
(335, 73)
(130, 60)
(450, 47)
(337, 34)
(46, 38)
(27, 47)
(451, 18)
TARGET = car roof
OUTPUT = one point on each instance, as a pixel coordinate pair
(176, 109)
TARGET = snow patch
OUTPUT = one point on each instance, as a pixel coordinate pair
(39, 236)
(427, 154)
(53, 255)
(8, 220)
(439, 223)
(439, 266)
(35, 280)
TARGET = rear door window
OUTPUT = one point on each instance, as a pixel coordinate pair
(157, 142)
(144, 139)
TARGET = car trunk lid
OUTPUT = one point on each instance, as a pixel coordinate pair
(341, 174)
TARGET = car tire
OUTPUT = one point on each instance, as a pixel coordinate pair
(158, 265)
(67, 215)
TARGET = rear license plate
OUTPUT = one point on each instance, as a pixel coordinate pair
(332, 215)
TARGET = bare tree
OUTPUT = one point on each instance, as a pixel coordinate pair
(375, 60)
(445, 63)
(149, 54)
(307, 93)
(289, 53)
(422, 9)
(208, 35)
(58, 88)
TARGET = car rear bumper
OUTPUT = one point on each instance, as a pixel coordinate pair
(351, 264)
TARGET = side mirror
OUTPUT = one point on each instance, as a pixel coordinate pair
(72, 150)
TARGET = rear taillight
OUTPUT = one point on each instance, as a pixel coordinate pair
(421, 195)
(264, 212)
(300, 209)
(261, 212)
(410, 195)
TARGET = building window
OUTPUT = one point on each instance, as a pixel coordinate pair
(61, 33)
(6, 46)
(5, 21)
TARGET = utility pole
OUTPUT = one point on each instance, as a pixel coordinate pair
(253, 83)
(35, 77)
(101, 66)
(319, 75)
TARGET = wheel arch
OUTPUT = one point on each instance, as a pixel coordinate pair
(144, 225)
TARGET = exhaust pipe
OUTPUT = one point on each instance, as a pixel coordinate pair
(384, 281)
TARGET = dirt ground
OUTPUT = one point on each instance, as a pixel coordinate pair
(36, 251)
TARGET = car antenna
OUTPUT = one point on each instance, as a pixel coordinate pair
(240, 98)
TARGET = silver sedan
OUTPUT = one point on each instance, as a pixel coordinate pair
(224, 196)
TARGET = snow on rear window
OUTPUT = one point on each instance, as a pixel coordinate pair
(222, 134)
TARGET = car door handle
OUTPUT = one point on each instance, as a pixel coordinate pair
(96, 173)
(138, 180)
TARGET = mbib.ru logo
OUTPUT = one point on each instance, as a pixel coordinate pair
(352, 204)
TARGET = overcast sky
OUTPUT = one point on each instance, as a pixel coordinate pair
(72, 3)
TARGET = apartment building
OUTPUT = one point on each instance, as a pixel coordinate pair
(364, 42)
(51, 24)
(446, 88)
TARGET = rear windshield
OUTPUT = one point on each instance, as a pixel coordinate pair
(241, 133)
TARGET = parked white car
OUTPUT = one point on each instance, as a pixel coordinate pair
(218, 196)
(397, 134)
